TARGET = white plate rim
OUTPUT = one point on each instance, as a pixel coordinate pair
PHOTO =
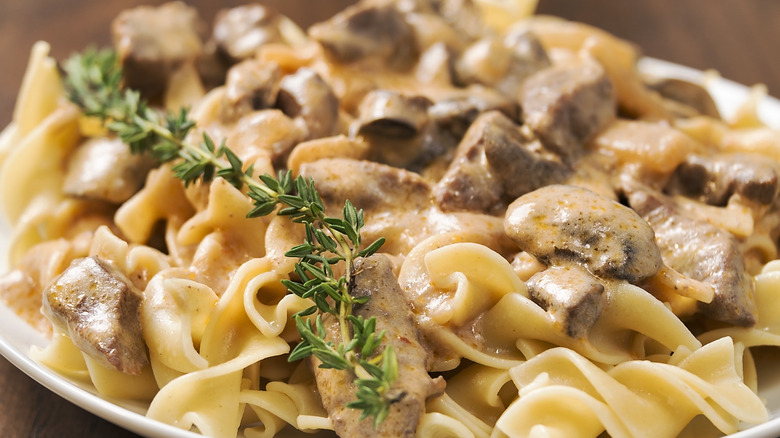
(16, 336)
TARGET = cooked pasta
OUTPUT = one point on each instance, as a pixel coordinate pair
(577, 251)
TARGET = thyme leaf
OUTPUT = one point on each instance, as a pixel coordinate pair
(93, 81)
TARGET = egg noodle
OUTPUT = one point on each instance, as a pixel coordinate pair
(216, 320)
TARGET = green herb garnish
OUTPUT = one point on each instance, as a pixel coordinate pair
(93, 81)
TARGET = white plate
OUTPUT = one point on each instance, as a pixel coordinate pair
(16, 337)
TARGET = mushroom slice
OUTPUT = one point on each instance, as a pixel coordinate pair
(105, 169)
(455, 114)
(368, 32)
(250, 85)
(305, 96)
(385, 113)
(152, 42)
(561, 224)
(691, 98)
(239, 32)
(503, 64)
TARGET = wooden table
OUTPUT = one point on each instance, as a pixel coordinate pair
(736, 37)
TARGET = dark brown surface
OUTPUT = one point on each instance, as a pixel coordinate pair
(736, 37)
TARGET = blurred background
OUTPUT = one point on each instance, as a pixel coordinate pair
(738, 38)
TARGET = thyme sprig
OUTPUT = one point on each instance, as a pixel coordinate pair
(93, 81)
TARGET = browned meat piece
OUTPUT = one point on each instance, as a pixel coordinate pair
(306, 96)
(368, 185)
(98, 307)
(385, 113)
(494, 164)
(503, 64)
(560, 224)
(566, 104)
(104, 169)
(251, 85)
(152, 42)
(571, 294)
(366, 32)
(713, 179)
(703, 252)
(695, 98)
(240, 31)
(456, 114)
(374, 278)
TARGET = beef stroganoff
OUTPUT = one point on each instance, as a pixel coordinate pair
(562, 246)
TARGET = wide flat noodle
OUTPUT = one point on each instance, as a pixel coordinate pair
(631, 399)
(509, 316)
(209, 399)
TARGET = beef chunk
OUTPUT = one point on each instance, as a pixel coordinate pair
(98, 307)
(571, 294)
(152, 42)
(305, 96)
(565, 105)
(714, 179)
(703, 252)
(105, 169)
(367, 32)
(239, 32)
(561, 224)
(495, 163)
(374, 278)
(251, 85)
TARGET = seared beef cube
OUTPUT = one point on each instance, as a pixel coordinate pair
(693, 97)
(305, 96)
(495, 163)
(239, 32)
(105, 169)
(703, 252)
(374, 278)
(99, 309)
(152, 42)
(565, 105)
(378, 33)
(251, 85)
(714, 179)
(388, 114)
(571, 294)
(561, 224)
(525, 168)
